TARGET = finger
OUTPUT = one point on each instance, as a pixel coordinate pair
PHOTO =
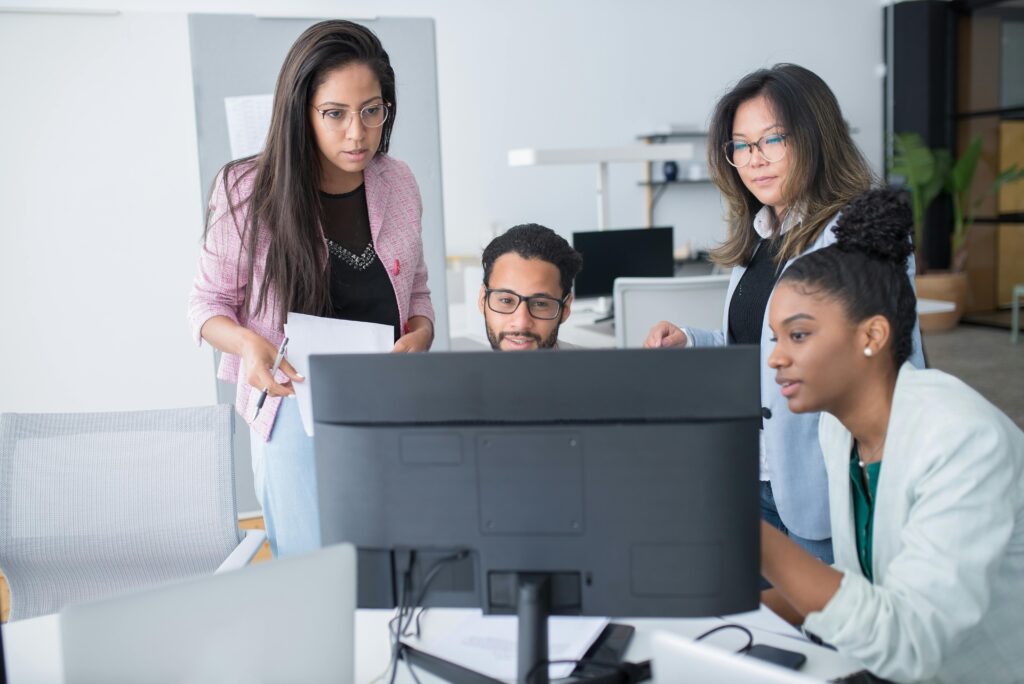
(657, 334)
(289, 370)
(264, 380)
(676, 338)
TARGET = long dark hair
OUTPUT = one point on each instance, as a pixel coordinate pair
(827, 169)
(284, 201)
(866, 269)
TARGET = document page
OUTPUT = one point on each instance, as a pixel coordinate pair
(308, 335)
(248, 120)
(488, 643)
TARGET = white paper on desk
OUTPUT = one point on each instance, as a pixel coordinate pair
(308, 335)
(766, 620)
(488, 643)
(248, 123)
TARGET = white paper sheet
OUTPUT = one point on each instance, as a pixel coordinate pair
(764, 618)
(248, 123)
(308, 335)
(488, 643)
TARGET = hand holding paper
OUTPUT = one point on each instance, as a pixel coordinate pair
(308, 335)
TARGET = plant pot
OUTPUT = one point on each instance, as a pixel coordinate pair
(945, 286)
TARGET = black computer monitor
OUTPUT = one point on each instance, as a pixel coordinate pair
(630, 253)
(623, 482)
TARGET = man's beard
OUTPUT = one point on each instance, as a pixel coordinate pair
(495, 339)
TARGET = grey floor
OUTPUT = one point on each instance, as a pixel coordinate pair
(986, 360)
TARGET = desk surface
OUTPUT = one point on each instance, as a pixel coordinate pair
(32, 646)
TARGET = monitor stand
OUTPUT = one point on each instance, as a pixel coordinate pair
(533, 610)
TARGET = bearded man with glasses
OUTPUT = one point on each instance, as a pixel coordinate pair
(527, 290)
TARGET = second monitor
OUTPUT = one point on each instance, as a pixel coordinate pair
(611, 254)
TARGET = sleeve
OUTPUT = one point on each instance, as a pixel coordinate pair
(419, 296)
(219, 286)
(939, 585)
(697, 337)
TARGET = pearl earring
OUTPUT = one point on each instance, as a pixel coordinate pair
(867, 351)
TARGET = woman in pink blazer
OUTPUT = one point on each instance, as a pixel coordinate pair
(321, 222)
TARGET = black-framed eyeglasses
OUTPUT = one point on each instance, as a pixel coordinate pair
(541, 307)
(338, 118)
(771, 147)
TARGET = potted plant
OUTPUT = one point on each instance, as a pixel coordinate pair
(927, 173)
(924, 173)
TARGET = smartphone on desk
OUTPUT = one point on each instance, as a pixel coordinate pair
(777, 656)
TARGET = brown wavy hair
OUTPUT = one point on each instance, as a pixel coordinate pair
(827, 170)
(285, 200)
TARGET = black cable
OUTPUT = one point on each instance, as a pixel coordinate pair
(431, 574)
(730, 625)
(409, 609)
(395, 634)
(412, 672)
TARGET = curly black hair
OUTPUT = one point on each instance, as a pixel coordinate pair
(866, 268)
(532, 241)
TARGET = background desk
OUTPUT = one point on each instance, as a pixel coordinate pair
(33, 651)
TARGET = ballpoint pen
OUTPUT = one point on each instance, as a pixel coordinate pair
(273, 370)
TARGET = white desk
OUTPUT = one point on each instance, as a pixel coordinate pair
(32, 647)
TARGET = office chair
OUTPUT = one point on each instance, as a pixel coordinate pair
(97, 504)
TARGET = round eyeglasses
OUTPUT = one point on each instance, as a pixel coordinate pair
(771, 147)
(340, 118)
(540, 307)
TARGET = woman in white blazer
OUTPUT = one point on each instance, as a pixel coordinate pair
(926, 478)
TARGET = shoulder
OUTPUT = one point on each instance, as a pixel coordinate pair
(392, 169)
(235, 180)
(943, 410)
(828, 236)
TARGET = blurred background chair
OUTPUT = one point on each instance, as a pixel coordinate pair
(691, 301)
(97, 504)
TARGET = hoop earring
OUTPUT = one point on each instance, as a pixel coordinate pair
(868, 352)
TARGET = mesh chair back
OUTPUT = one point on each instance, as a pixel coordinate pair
(94, 504)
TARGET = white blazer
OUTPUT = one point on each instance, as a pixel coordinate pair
(948, 540)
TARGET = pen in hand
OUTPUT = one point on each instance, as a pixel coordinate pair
(273, 370)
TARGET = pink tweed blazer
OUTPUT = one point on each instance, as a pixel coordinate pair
(395, 208)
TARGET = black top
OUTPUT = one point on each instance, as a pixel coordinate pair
(360, 287)
(750, 298)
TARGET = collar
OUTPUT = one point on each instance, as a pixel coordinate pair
(763, 221)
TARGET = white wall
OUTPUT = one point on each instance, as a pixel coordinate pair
(512, 73)
(99, 214)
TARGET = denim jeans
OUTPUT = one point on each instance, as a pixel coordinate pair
(284, 470)
(819, 548)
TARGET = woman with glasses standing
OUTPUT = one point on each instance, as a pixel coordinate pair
(321, 222)
(781, 154)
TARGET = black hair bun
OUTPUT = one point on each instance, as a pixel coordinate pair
(878, 224)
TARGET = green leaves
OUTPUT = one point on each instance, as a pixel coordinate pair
(925, 172)
(929, 172)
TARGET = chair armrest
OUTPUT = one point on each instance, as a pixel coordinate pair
(244, 552)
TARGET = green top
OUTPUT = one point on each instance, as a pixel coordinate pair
(864, 507)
